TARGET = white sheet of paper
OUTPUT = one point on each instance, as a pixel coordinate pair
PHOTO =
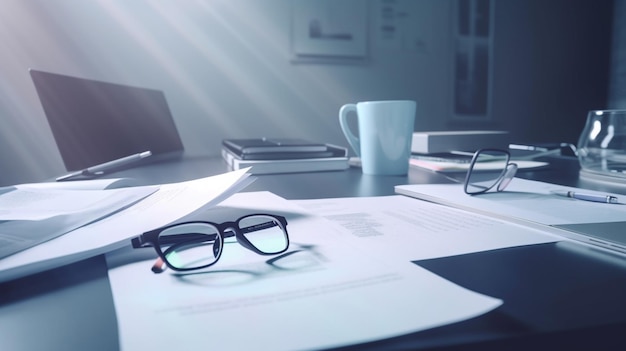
(38, 204)
(414, 230)
(325, 292)
(525, 200)
(453, 167)
(85, 184)
(169, 203)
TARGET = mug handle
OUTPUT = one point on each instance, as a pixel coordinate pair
(343, 121)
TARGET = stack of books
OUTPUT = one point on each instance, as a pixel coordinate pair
(281, 155)
(458, 140)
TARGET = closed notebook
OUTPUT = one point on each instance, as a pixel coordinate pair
(279, 153)
(272, 145)
(338, 161)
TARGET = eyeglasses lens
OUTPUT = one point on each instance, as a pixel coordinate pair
(191, 246)
(486, 171)
(265, 233)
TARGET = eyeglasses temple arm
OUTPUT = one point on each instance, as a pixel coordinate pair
(259, 226)
(138, 242)
(158, 266)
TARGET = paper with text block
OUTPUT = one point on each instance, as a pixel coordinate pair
(411, 229)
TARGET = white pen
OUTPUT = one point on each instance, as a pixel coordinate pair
(609, 199)
(103, 167)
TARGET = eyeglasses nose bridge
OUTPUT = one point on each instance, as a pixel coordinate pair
(229, 229)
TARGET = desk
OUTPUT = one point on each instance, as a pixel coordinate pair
(555, 295)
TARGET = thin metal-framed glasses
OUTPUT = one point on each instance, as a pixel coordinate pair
(198, 244)
(489, 169)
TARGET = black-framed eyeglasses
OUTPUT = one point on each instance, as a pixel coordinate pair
(198, 244)
(489, 168)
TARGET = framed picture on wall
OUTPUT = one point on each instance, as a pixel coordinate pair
(329, 30)
(473, 60)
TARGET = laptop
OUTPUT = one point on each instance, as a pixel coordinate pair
(94, 122)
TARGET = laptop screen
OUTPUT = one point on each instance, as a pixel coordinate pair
(95, 122)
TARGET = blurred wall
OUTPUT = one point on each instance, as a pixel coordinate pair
(617, 90)
(227, 68)
(552, 66)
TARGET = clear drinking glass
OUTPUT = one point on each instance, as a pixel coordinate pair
(602, 143)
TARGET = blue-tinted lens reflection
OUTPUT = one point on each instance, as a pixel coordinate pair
(191, 245)
(265, 233)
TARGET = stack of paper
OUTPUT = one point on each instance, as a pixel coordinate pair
(452, 166)
(462, 140)
(96, 229)
(537, 204)
(30, 216)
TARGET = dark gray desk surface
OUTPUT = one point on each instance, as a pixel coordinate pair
(563, 296)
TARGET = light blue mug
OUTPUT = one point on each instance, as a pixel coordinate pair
(385, 134)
